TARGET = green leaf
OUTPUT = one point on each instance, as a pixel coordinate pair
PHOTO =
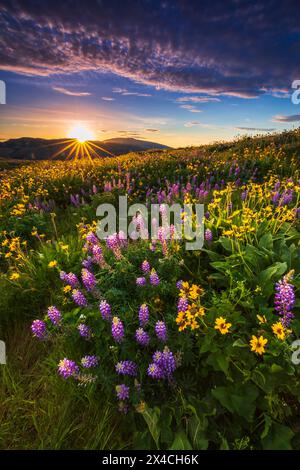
(266, 241)
(219, 361)
(238, 400)
(278, 438)
(151, 416)
(181, 442)
(196, 428)
(226, 243)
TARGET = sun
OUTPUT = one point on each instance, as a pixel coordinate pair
(81, 133)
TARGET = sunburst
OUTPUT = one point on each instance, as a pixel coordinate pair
(80, 145)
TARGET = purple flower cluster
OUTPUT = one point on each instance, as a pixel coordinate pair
(208, 235)
(67, 368)
(145, 267)
(89, 361)
(91, 238)
(140, 281)
(154, 279)
(79, 298)
(179, 284)
(84, 331)
(38, 328)
(98, 255)
(183, 304)
(54, 315)
(143, 314)
(163, 365)
(115, 242)
(105, 310)
(161, 331)
(117, 329)
(122, 392)
(126, 368)
(142, 337)
(69, 278)
(88, 279)
(285, 299)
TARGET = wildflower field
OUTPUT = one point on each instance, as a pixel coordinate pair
(123, 344)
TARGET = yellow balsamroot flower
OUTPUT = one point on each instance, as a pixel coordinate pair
(64, 247)
(67, 289)
(195, 291)
(278, 330)
(52, 264)
(261, 319)
(222, 326)
(14, 276)
(258, 344)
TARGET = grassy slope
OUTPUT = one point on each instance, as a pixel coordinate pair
(39, 410)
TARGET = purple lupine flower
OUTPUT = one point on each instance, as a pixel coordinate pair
(183, 304)
(154, 279)
(161, 331)
(145, 267)
(105, 310)
(98, 255)
(38, 328)
(122, 392)
(117, 329)
(54, 315)
(89, 361)
(166, 361)
(70, 279)
(143, 314)
(155, 371)
(179, 284)
(88, 279)
(142, 337)
(88, 262)
(84, 331)
(67, 368)
(126, 368)
(285, 299)
(79, 298)
(208, 235)
(140, 281)
(91, 238)
(244, 195)
(62, 275)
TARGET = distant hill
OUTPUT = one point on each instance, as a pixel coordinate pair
(28, 148)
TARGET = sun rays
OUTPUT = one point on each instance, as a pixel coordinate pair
(75, 149)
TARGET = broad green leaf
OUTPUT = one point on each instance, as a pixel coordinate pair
(181, 442)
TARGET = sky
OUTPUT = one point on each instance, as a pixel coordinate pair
(176, 72)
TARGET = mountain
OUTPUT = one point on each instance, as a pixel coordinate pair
(28, 148)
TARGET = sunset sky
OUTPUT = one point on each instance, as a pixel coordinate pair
(175, 72)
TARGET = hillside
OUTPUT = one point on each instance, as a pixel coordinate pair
(28, 148)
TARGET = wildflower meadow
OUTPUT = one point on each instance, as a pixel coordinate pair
(139, 343)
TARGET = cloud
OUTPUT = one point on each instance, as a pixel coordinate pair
(277, 92)
(192, 123)
(196, 99)
(291, 118)
(107, 98)
(125, 92)
(64, 91)
(191, 108)
(255, 129)
(216, 48)
(152, 130)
